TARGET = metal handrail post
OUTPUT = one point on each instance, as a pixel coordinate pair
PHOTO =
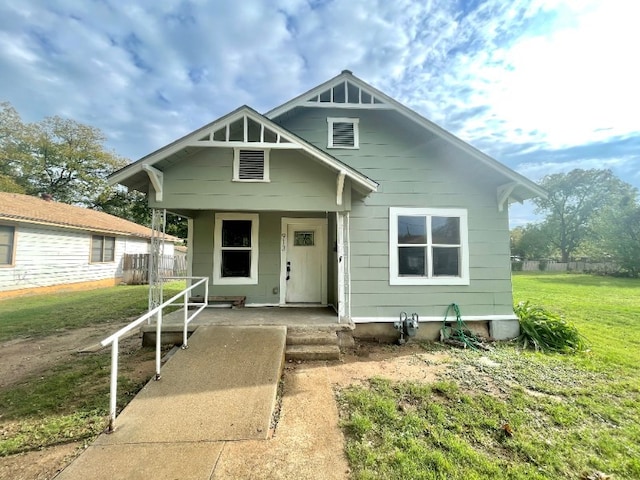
(114, 340)
(114, 385)
(186, 319)
(158, 342)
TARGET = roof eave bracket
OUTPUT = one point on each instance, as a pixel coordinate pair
(503, 193)
(157, 179)
(340, 187)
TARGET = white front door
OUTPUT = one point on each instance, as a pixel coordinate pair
(305, 260)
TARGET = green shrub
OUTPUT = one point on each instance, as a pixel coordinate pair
(546, 332)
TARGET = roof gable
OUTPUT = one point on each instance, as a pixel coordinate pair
(244, 127)
(364, 96)
(15, 207)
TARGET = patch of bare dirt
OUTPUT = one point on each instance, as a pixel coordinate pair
(41, 465)
(409, 362)
(24, 357)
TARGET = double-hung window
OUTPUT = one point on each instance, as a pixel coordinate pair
(343, 133)
(428, 246)
(235, 249)
(102, 249)
(7, 240)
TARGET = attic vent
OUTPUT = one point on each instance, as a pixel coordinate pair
(343, 133)
(251, 165)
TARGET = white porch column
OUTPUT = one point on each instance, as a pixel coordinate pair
(344, 267)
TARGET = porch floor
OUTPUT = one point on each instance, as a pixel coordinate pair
(261, 316)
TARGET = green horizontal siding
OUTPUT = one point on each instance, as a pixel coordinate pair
(204, 181)
(415, 170)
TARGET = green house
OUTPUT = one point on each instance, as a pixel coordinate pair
(343, 197)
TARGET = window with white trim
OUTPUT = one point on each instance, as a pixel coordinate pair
(250, 165)
(7, 241)
(343, 132)
(235, 249)
(102, 249)
(428, 246)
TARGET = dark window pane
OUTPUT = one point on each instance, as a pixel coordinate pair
(236, 233)
(303, 239)
(96, 248)
(412, 230)
(338, 93)
(236, 263)
(109, 249)
(446, 262)
(236, 131)
(6, 244)
(411, 261)
(253, 130)
(445, 230)
(5, 255)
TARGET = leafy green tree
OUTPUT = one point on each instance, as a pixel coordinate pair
(531, 242)
(8, 184)
(69, 161)
(58, 156)
(575, 201)
(619, 234)
(133, 206)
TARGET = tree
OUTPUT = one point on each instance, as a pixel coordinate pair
(574, 203)
(619, 233)
(58, 156)
(530, 242)
(133, 206)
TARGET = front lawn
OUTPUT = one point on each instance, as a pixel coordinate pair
(511, 413)
(69, 402)
(38, 315)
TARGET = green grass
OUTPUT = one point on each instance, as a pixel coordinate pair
(70, 402)
(39, 315)
(569, 414)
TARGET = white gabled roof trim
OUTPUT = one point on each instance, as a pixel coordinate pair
(209, 136)
(347, 76)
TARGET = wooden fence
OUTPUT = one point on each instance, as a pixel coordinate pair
(553, 266)
(135, 267)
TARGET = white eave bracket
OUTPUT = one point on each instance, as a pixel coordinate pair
(157, 178)
(504, 192)
(340, 187)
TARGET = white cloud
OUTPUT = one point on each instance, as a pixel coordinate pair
(542, 74)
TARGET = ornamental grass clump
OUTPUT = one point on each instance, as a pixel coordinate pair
(544, 331)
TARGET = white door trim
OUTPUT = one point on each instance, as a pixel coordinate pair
(315, 222)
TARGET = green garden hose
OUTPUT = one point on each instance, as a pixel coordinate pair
(461, 332)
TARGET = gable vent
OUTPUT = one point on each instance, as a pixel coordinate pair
(343, 134)
(251, 165)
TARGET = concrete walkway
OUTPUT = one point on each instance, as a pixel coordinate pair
(223, 388)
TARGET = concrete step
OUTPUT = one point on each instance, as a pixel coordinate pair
(312, 352)
(311, 337)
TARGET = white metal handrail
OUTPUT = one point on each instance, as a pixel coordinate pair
(115, 338)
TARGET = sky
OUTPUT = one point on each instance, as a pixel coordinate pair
(543, 86)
